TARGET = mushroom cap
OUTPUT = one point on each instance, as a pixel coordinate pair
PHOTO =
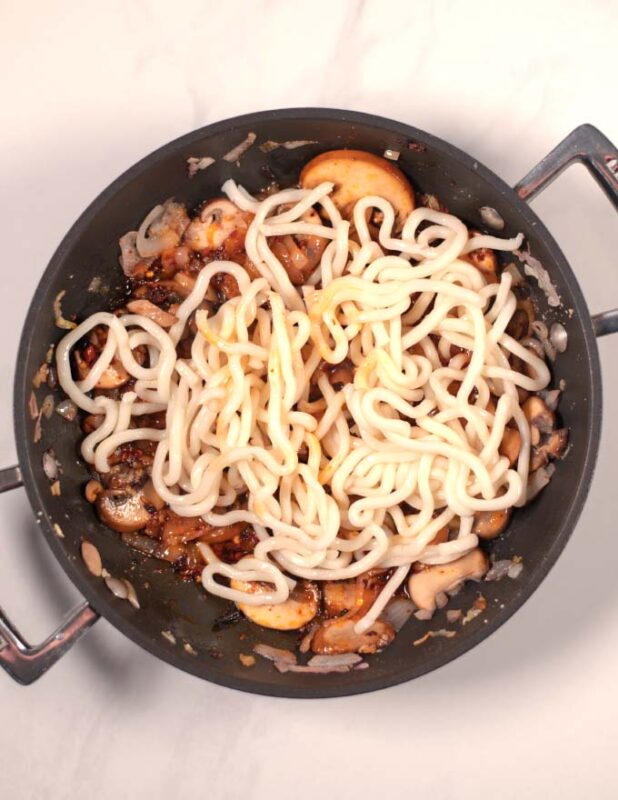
(122, 510)
(489, 524)
(336, 636)
(298, 610)
(357, 174)
(428, 587)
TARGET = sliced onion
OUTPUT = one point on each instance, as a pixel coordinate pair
(515, 570)
(237, 152)
(398, 612)
(147, 309)
(340, 660)
(499, 569)
(283, 667)
(276, 654)
(194, 165)
(129, 257)
(47, 406)
(270, 145)
(60, 321)
(33, 407)
(50, 464)
(146, 247)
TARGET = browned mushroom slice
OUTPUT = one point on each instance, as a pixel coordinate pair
(557, 443)
(552, 447)
(510, 445)
(357, 174)
(484, 259)
(538, 415)
(217, 221)
(520, 324)
(489, 524)
(340, 597)
(296, 612)
(538, 458)
(225, 286)
(113, 377)
(354, 596)
(338, 636)
(123, 510)
(429, 587)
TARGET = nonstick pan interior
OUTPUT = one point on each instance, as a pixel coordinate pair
(175, 621)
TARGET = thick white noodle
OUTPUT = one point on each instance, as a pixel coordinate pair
(389, 459)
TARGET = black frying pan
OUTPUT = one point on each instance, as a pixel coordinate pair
(538, 532)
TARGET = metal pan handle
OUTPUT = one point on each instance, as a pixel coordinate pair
(589, 147)
(25, 663)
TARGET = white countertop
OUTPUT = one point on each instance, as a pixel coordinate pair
(89, 88)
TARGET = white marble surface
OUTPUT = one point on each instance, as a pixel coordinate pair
(87, 88)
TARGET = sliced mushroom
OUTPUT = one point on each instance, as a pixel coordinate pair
(217, 221)
(489, 524)
(538, 457)
(353, 596)
(552, 447)
(123, 510)
(428, 588)
(357, 174)
(340, 597)
(520, 324)
(510, 445)
(113, 377)
(557, 443)
(296, 612)
(151, 497)
(225, 286)
(538, 415)
(484, 259)
(338, 636)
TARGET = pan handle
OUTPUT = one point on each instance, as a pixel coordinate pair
(591, 148)
(25, 663)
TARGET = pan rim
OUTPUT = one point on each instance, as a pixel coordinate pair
(534, 576)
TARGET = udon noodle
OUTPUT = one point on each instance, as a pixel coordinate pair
(366, 475)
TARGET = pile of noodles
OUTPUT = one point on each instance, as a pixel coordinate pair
(365, 476)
